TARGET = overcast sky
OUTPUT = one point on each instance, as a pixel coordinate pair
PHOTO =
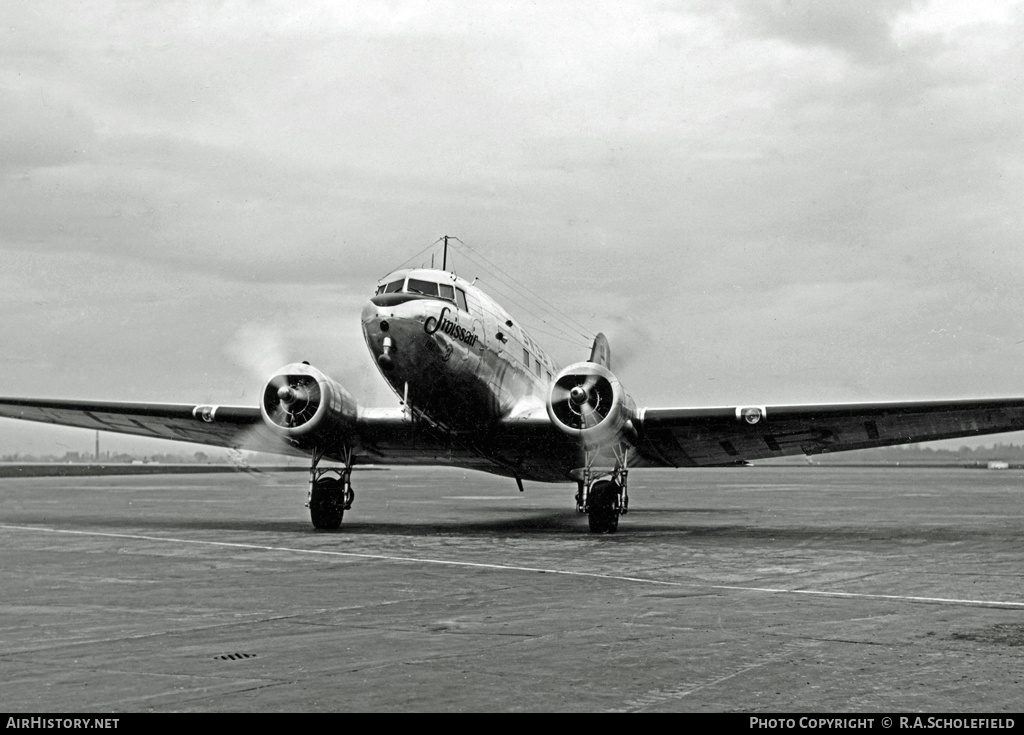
(758, 201)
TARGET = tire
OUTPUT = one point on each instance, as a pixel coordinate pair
(602, 507)
(327, 504)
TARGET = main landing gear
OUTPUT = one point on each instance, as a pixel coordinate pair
(329, 497)
(603, 501)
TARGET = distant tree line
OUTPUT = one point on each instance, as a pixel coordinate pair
(925, 453)
(904, 453)
(218, 458)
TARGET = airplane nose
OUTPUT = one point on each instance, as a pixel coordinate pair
(370, 311)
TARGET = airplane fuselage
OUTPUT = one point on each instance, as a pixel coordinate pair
(451, 353)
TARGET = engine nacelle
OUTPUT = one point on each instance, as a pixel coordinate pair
(587, 401)
(303, 405)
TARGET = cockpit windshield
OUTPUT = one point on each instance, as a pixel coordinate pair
(426, 288)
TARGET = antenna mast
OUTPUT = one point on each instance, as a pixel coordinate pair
(444, 262)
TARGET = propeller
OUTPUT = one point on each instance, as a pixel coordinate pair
(291, 400)
(582, 401)
(587, 402)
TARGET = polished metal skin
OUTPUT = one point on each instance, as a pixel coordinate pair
(463, 368)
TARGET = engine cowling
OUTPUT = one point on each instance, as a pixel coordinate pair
(306, 407)
(587, 401)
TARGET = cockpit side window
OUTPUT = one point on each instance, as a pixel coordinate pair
(460, 299)
(394, 286)
(427, 288)
(447, 292)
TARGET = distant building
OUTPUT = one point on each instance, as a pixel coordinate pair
(998, 464)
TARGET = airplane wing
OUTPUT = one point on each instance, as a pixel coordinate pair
(704, 437)
(535, 449)
(532, 449)
(223, 426)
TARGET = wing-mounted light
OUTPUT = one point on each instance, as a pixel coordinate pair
(587, 401)
(300, 403)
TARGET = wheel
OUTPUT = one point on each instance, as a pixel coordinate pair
(327, 504)
(603, 507)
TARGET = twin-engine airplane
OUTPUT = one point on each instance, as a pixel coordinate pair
(477, 392)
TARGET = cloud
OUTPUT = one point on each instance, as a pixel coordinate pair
(863, 30)
(40, 132)
(758, 187)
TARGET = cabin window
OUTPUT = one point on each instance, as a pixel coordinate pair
(549, 375)
(460, 299)
(394, 286)
(447, 292)
(537, 365)
(426, 288)
(526, 357)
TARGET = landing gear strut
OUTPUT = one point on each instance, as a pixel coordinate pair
(603, 501)
(329, 497)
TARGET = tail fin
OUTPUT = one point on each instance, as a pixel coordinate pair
(601, 352)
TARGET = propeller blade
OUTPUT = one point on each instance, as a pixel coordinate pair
(278, 415)
(278, 382)
(559, 394)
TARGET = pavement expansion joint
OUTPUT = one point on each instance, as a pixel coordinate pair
(884, 644)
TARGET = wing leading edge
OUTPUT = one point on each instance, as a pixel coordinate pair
(703, 437)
